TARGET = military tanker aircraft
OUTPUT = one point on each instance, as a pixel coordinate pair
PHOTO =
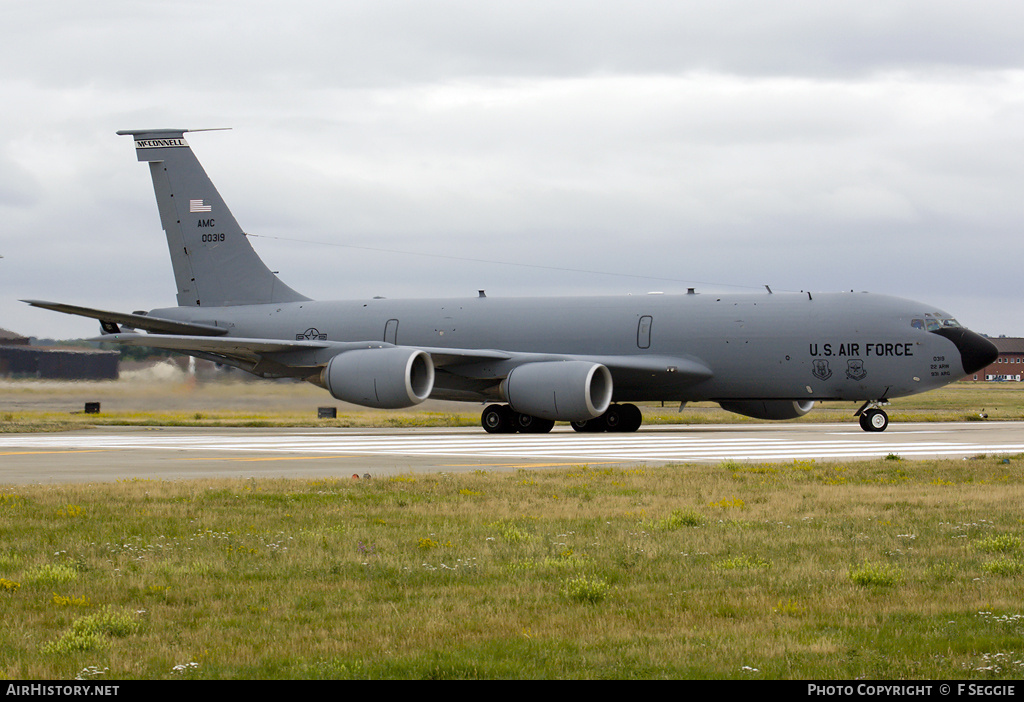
(583, 360)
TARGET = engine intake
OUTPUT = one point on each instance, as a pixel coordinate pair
(769, 409)
(572, 391)
(384, 378)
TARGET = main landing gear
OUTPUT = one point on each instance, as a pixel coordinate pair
(871, 417)
(619, 418)
(502, 419)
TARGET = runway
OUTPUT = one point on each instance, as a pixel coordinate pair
(117, 453)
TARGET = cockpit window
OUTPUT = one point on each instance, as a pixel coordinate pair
(934, 323)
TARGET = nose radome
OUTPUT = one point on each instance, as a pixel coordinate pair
(976, 352)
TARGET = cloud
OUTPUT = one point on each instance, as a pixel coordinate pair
(798, 144)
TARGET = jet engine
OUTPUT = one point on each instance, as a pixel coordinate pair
(385, 378)
(769, 409)
(572, 391)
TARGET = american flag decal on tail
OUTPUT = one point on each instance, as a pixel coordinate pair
(198, 206)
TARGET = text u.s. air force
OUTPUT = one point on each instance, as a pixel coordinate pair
(855, 348)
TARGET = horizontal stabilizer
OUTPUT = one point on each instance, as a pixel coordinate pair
(136, 321)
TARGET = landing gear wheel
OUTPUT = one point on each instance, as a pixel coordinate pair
(622, 418)
(617, 418)
(591, 425)
(631, 418)
(497, 419)
(874, 420)
(613, 418)
(528, 424)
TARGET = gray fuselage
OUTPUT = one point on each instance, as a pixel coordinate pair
(793, 346)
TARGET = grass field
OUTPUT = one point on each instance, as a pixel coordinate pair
(53, 406)
(883, 570)
(887, 569)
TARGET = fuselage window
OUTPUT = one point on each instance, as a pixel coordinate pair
(643, 332)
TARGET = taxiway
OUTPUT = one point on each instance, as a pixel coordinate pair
(117, 453)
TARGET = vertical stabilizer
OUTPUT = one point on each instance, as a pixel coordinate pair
(214, 263)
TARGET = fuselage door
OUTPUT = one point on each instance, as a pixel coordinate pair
(391, 332)
(643, 332)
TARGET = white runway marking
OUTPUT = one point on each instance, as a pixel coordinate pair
(655, 446)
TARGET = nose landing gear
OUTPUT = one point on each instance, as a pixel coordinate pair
(872, 418)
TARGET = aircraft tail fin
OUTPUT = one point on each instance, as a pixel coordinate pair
(214, 263)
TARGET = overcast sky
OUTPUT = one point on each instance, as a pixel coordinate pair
(420, 148)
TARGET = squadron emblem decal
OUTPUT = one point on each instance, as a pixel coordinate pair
(821, 370)
(855, 369)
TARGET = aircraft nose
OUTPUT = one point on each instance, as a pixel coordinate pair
(976, 351)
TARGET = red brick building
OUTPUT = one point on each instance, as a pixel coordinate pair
(1009, 365)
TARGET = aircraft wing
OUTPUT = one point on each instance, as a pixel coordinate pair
(689, 368)
(281, 357)
(229, 346)
(251, 348)
(302, 357)
(493, 363)
(268, 357)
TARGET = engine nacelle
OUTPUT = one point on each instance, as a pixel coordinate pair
(769, 409)
(385, 378)
(572, 391)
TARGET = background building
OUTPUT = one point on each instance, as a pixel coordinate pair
(1010, 363)
(19, 359)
